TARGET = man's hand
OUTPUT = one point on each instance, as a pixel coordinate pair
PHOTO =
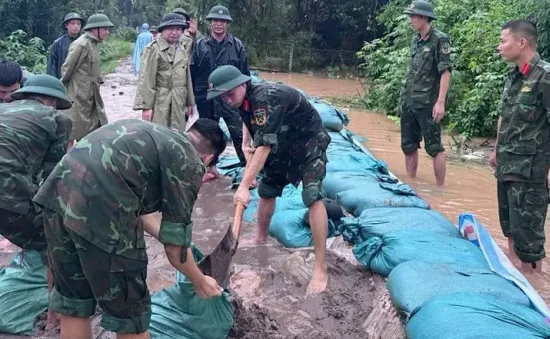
(190, 111)
(493, 159)
(192, 27)
(438, 111)
(147, 114)
(207, 287)
(242, 195)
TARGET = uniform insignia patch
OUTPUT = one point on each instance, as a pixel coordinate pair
(220, 11)
(259, 117)
(446, 48)
(426, 49)
(526, 89)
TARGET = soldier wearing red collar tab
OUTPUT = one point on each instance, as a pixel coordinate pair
(522, 153)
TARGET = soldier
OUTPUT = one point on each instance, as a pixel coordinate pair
(81, 74)
(164, 86)
(423, 97)
(33, 139)
(189, 36)
(154, 30)
(60, 47)
(220, 48)
(523, 144)
(289, 145)
(143, 39)
(98, 203)
(11, 79)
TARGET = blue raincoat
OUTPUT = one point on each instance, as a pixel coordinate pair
(143, 39)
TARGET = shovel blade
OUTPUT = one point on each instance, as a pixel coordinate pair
(217, 263)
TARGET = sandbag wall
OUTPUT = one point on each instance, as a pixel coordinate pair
(439, 280)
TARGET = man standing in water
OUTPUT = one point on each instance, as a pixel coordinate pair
(424, 95)
(59, 50)
(523, 144)
(290, 146)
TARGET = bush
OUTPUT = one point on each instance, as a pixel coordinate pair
(112, 50)
(126, 33)
(27, 52)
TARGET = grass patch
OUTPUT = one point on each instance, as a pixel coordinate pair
(112, 51)
(356, 101)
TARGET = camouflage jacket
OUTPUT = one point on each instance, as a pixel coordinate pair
(81, 74)
(164, 83)
(281, 117)
(429, 58)
(523, 148)
(33, 138)
(123, 170)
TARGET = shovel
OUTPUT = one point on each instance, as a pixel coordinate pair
(217, 263)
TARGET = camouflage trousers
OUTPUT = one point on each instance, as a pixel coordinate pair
(312, 172)
(415, 124)
(522, 210)
(25, 231)
(216, 109)
(85, 275)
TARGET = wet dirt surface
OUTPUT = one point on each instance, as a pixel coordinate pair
(270, 281)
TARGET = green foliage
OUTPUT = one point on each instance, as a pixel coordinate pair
(27, 52)
(126, 33)
(478, 71)
(112, 50)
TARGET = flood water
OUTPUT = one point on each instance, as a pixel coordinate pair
(469, 187)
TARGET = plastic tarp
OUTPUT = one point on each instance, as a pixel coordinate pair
(178, 313)
(413, 283)
(333, 119)
(479, 316)
(383, 254)
(377, 222)
(23, 293)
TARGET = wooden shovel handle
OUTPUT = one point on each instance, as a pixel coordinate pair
(238, 219)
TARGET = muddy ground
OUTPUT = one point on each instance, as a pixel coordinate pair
(268, 282)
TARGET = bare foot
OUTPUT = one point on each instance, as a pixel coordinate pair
(318, 282)
(208, 176)
(53, 320)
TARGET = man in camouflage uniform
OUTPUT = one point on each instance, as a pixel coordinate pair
(33, 139)
(523, 145)
(12, 78)
(189, 36)
(60, 47)
(99, 200)
(423, 97)
(289, 145)
(164, 88)
(220, 48)
(81, 74)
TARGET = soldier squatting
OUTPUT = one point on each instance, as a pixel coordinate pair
(83, 191)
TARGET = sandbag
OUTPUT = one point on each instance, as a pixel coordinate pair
(337, 182)
(382, 254)
(383, 220)
(367, 195)
(178, 313)
(23, 292)
(333, 119)
(479, 316)
(413, 283)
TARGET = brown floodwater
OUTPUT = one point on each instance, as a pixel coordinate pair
(469, 187)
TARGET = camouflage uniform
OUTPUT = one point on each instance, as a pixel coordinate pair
(33, 138)
(281, 117)
(429, 58)
(523, 158)
(81, 74)
(164, 83)
(93, 200)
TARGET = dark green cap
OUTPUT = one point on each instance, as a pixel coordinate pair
(45, 84)
(173, 19)
(423, 8)
(219, 12)
(223, 80)
(72, 16)
(183, 12)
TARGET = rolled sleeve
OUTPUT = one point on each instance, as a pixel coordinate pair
(176, 233)
(443, 55)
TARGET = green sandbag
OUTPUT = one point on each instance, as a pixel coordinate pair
(23, 293)
(178, 313)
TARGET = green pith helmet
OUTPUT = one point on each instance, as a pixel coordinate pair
(423, 8)
(219, 12)
(72, 16)
(98, 21)
(45, 84)
(153, 29)
(183, 12)
(173, 19)
(224, 79)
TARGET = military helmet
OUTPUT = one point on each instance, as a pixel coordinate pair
(45, 84)
(224, 79)
(173, 19)
(420, 7)
(98, 21)
(183, 12)
(153, 29)
(72, 16)
(219, 12)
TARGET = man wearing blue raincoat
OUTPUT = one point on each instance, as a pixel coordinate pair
(143, 39)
